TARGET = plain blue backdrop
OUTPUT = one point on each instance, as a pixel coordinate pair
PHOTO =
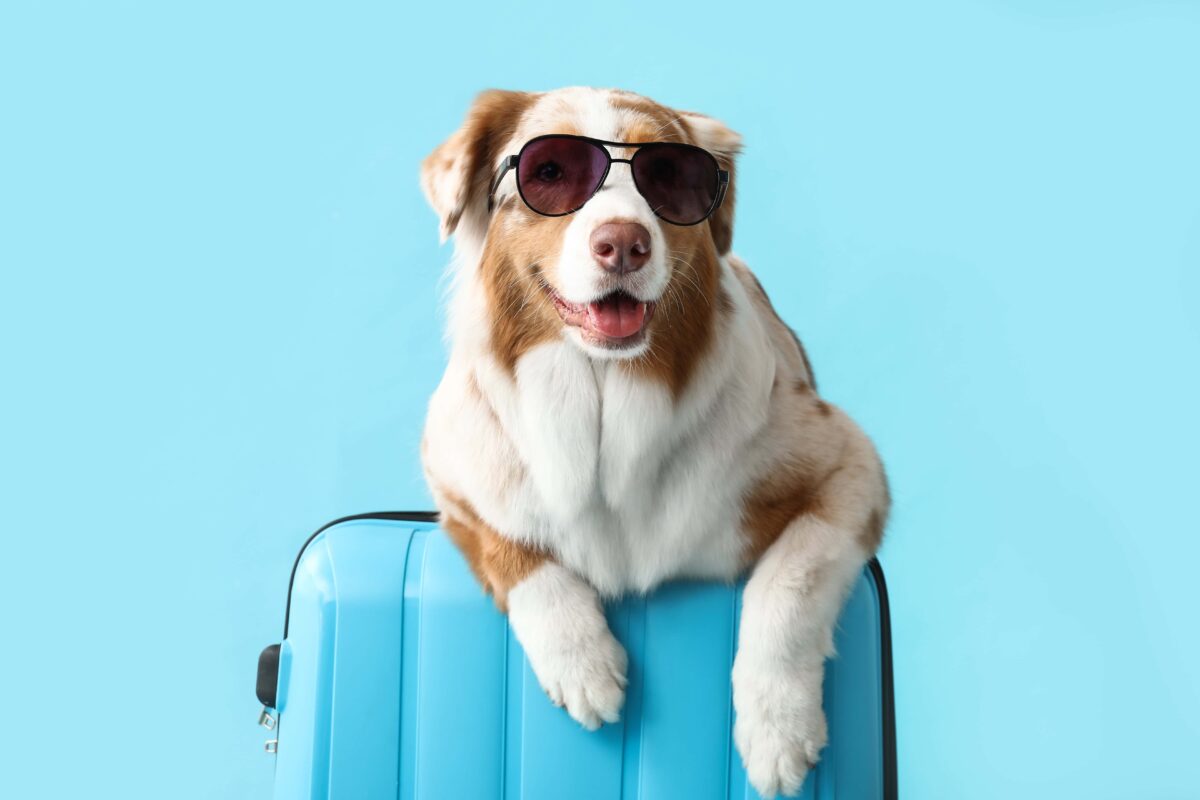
(219, 322)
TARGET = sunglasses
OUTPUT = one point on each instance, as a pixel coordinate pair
(558, 173)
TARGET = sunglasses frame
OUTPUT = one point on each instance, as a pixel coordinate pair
(511, 162)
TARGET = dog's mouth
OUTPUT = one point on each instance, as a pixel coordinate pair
(616, 321)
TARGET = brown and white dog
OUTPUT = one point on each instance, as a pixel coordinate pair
(570, 465)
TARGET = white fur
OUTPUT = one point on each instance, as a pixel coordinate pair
(559, 621)
(789, 609)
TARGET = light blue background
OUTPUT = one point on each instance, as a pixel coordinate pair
(219, 324)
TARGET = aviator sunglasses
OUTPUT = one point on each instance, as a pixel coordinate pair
(558, 173)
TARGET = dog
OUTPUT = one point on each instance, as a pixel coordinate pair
(622, 406)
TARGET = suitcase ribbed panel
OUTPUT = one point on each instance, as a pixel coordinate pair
(399, 679)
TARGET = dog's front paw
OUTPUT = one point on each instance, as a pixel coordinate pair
(780, 727)
(585, 675)
(561, 626)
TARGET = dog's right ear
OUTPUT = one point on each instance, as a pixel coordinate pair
(456, 176)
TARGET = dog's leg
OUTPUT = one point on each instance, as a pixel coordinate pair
(556, 616)
(558, 619)
(790, 606)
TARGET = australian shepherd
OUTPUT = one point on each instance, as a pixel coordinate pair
(622, 407)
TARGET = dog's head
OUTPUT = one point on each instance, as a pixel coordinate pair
(612, 275)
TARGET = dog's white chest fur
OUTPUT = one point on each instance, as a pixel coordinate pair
(629, 498)
(625, 484)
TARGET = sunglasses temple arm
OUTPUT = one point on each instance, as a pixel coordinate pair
(722, 187)
(509, 163)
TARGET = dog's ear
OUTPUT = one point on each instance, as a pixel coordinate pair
(456, 176)
(715, 137)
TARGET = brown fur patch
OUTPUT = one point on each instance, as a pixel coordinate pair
(684, 320)
(872, 533)
(773, 504)
(522, 316)
(475, 149)
(498, 562)
(651, 121)
(653, 126)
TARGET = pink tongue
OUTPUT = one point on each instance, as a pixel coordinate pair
(617, 316)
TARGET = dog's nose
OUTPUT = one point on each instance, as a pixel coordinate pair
(621, 246)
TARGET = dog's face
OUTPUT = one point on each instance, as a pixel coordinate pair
(610, 273)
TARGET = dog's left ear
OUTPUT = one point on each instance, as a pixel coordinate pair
(456, 176)
(717, 138)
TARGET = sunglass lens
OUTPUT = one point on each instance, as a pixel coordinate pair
(557, 175)
(679, 182)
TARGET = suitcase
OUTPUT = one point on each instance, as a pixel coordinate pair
(397, 678)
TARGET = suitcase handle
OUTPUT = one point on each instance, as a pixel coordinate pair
(267, 684)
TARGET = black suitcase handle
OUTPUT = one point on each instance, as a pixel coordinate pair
(267, 685)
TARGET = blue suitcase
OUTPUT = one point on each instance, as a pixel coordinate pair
(397, 678)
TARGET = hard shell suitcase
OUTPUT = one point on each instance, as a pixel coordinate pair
(397, 678)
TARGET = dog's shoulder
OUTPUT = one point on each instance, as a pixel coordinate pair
(788, 347)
